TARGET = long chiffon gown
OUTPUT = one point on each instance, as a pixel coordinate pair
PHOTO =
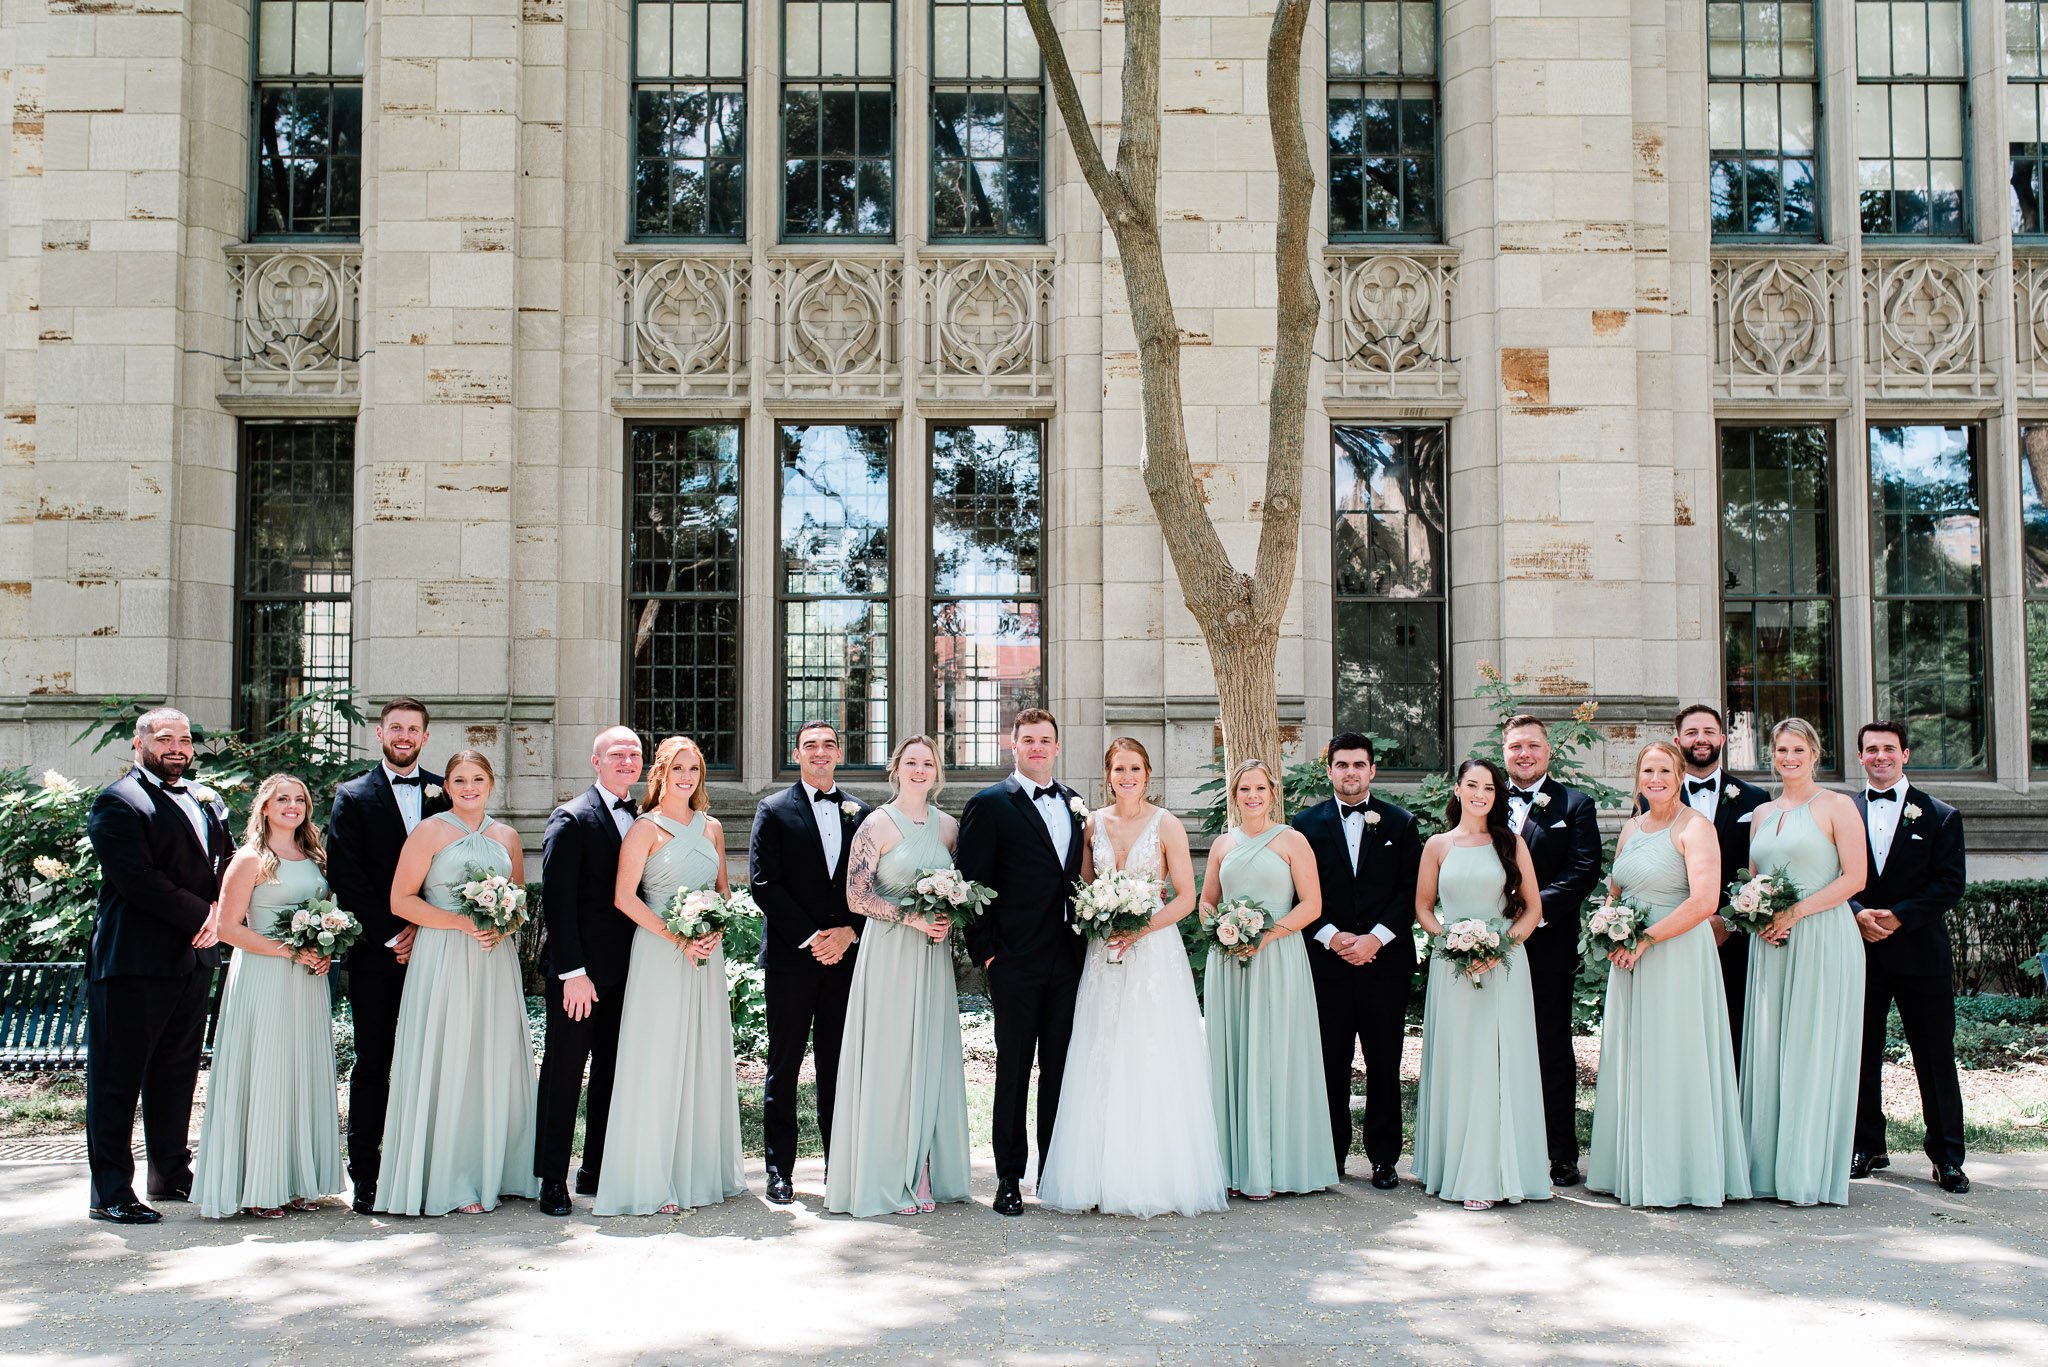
(271, 1133)
(1667, 1118)
(1265, 1051)
(1802, 1027)
(902, 1084)
(1479, 1110)
(1136, 1132)
(674, 1133)
(459, 1127)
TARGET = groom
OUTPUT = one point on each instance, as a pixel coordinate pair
(1023, 838)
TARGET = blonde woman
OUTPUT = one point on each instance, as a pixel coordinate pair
(272, 1135)
(1667, 1120)
(673, 1140)
(1802, 1032)
(899, 1130)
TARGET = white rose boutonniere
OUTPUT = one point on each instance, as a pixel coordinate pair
(849, 809)
(1078, 808)
(1911, 811)
(1372, 818)
(203, 794)
(431, 791)
(1541, 799)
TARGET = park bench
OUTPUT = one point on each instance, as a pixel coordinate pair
(42, 1016)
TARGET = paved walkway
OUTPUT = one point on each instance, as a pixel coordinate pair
(1905, 1273)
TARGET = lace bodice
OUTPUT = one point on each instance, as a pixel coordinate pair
(1148, 855)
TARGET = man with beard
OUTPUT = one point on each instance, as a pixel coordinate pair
(1729, 803)
(162, 844)
(372, 817)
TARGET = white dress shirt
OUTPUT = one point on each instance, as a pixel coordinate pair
(1052, 810)
(829, 835)
(408, 796)
(1882, 819)
(187, 804)
(624, 821)
(1354, 836)
(1707, 801)
(1520, 804)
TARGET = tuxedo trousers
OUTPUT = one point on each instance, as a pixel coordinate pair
(1363, 1012)
(1734, 983)
(1927, 1011)
(571, 1045)
(1551, 984)
(142, 1042)
(1034, 1006)
(806, 1010)
(373, 1008)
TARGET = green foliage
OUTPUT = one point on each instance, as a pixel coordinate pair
(1999, 928)
(1992, 1031)
(746, 988)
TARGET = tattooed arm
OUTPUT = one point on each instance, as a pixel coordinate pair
(876, 837)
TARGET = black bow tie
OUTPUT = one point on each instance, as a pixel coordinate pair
(1694, 786)
(1879, 795)
(623, 804)
(1041, 794)
(409, 780)
(1345, 809)
(1526, 794)
(832, 796)
(174, 789)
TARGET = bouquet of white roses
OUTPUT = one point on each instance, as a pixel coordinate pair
(1468, 946)
(949, 893)
(492, 900)
(1116, 903)
(1616, 923)
(319, 925)
(694, 913)
(1237, 926)
(1754, 904)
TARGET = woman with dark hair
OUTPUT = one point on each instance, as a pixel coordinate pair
(1479, 1112)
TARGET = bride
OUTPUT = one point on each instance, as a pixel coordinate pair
(1136, 1133)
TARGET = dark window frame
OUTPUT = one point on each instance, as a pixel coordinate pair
(1818, 156)
(1435, 231)
(2036, 83)
(2034, 604)
(972, 86)
(728, 86)
(785, 83)
(259, 84)
(1965, 230)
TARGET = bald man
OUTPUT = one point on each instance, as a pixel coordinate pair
(590, 943)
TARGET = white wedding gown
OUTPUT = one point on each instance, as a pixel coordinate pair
(1136, 1131)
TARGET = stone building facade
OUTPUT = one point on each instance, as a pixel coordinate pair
(720, 362)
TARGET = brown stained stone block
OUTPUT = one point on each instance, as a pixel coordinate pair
(1681, 509)
(15, 589)
(1525, 374)
(59, 682)
(541, 11)
(395, 494)
(458, 384)
(1560, 686)
(1557, 560)
(480, 737)
(1607, 322)
(1649, 154)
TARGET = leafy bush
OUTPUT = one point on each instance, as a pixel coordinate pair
(1998, 928)
(747, 990)
(1992, 1031)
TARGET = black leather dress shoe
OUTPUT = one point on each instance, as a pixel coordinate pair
(125, 1213)
(779, 1190)
(554, 1198)
(586, 1182)
(365, 1200)
(1009, 1201)
(1563, 1174)
(1861, 1165)
(1384, 1177)
(1950, 1178)
(172, 1194)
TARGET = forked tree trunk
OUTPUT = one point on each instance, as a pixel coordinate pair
(1239, 611)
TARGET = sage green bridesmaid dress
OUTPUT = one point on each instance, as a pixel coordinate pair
(1265, 1050)
(674, 1134)
(459, 1128)
(1802, 1027)
(902, 1084)
(1667, 1118)
(1479, 1110)
(271, 1132)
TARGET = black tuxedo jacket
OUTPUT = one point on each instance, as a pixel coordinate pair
(158, 883)
(1738, 800)
(1563, 837)
(1004, 843)
(579, 863)
(786, 871)
(1381, 893)
(364, 835)
(1923, 876)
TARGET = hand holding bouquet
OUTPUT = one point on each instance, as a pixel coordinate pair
(946, 896)
(695, 915)
(1616, 924)
(318, 926)
(1237, 927)
(493, 901)
(1117, 904)
(1473, 946)
(1755, 904)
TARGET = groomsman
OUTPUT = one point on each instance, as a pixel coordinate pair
(1367, 851)
(1022, 837)
(372, 816)
(590, 942)
(1916, 874)
(1562, 830)
(162, 844)
(797, 866)
(1729, 803)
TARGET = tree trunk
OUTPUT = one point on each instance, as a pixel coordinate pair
(1239, 613)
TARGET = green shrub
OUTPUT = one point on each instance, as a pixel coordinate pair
(1998, 929)
(1992, 1031)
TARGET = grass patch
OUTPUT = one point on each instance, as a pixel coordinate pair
(41, 1104)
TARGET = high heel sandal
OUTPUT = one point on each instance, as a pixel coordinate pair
(925, 1204)
(670, 1209)
(304, 1204)
(1479, 1205)
(263, 1212)
(473, 1208)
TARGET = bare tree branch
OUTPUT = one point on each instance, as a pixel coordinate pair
(1109, 193)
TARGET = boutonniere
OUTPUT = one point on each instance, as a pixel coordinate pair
(849, 809)
(204, 795)
(1911, 812)
(1727, 793)
(431, 791)
(1372, 818)
(1078, 807)
(1541, 800)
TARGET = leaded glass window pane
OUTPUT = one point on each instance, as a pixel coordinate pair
(1911, 103)
(838, 119)
(297, 564)
(1382, 119)
(1762, 122)
(1928, 583)
(307, 176)
(683, 586)
(689, 119)
(834, 583)
(2026, 76)
(987, 120)
(1390, 613)
(987, 588)
(2034, 572)
(1778, 586)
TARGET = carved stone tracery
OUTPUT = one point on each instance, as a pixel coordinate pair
(296, 322)
(1390, 325)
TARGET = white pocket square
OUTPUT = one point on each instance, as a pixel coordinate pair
(1557, 825)
(1388, 844)
(1914, 837)
(1740, 820)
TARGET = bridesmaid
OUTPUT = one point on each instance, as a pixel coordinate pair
(458, 1133)
(271, 1137)
(900, 1130)
(1802, 1027)
(673, 1140)
(1667, 1119)
(1265, 1054)
(1479, 1111)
